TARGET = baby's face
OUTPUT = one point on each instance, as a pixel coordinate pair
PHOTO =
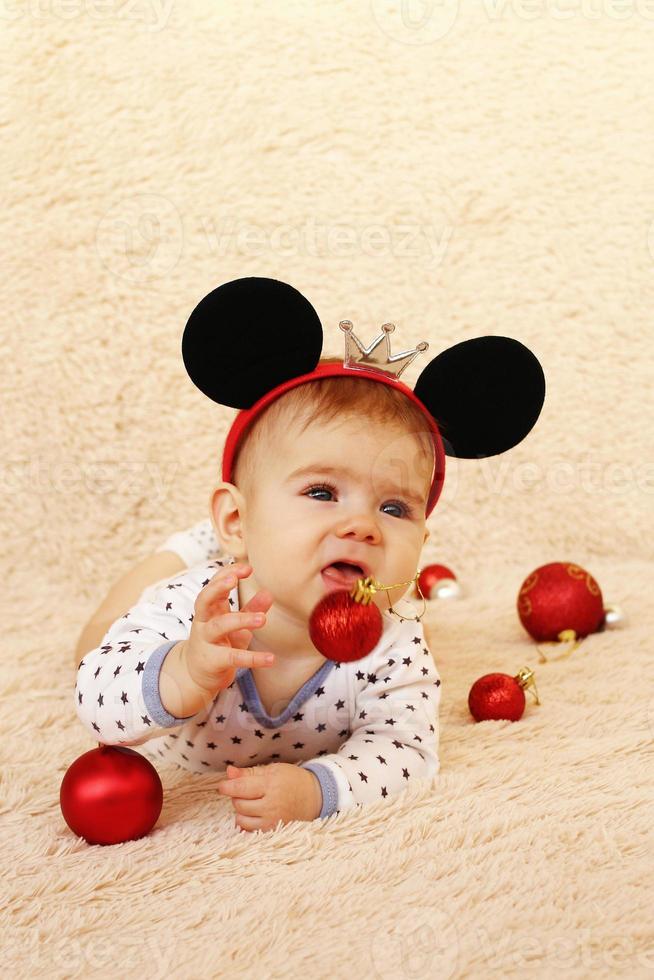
(362, 494)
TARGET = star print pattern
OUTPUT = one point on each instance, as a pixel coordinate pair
(395, 731)
(363, 728)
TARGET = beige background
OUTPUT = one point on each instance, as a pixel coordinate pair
(460, 169)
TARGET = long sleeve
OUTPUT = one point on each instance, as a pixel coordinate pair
(195, 545)
(394, 736)
(117, 686)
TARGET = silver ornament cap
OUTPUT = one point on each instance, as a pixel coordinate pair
(614, 617)
(446, 588)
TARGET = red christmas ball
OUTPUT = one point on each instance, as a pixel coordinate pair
(111, 794)
(557, 597)
(496, 696)
(437, 582)
(344, 629)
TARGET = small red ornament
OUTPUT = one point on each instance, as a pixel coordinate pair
(438, 582)
(500, 696)
(560, 597)
(343, 627)
(111, 794)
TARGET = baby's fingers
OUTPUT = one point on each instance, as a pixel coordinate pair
(247, 658)
(229, 623)
(261, 601)
(243, 787)
(215, 594)
(241, 638)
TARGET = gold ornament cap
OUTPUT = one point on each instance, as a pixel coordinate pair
(527, 680)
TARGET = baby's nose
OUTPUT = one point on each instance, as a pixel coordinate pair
(361, 527)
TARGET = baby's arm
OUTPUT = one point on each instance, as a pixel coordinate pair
(125, 593)
(181, 550)
(117, 695)
(394, 735)
(168, 657)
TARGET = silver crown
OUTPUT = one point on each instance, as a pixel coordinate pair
(377, 357)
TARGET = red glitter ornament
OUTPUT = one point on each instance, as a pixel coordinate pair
(344, 629)
(496, 697)
(111, 794)
(346, 625)
(560, 597)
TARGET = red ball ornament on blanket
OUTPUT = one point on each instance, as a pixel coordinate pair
(501, 697)
(111, 794)
(560, 597)
(438, 582)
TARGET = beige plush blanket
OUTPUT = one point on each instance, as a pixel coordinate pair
(460, 169)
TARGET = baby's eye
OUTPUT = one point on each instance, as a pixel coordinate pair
(327, 488)
(321, 488)
(402, 507)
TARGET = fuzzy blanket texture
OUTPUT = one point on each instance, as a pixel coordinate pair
(460, 169)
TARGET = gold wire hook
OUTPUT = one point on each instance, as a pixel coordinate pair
(365, 588)
(527, 679)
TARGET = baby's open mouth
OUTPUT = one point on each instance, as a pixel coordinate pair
(343, 573)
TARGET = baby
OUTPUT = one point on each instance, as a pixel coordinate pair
(329, 473)
(215, 670)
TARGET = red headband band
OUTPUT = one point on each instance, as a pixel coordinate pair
(247, 415)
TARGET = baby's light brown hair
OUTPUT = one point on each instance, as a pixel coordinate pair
(325, 400)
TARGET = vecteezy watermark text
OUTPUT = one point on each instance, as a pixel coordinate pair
(419, 22)
(153, 15)
(141, 238)
(125, 477)
(401, 240)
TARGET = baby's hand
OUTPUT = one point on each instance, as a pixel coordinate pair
(264, 795)
(218, 642)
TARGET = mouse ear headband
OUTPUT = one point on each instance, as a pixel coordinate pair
(250, 340)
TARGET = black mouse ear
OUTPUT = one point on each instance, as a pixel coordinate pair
(248, 336)
(485, 395)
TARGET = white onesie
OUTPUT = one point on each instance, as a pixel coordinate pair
(364, 728)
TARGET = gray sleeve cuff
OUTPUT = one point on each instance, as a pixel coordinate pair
(150, 688)
(327, 784)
